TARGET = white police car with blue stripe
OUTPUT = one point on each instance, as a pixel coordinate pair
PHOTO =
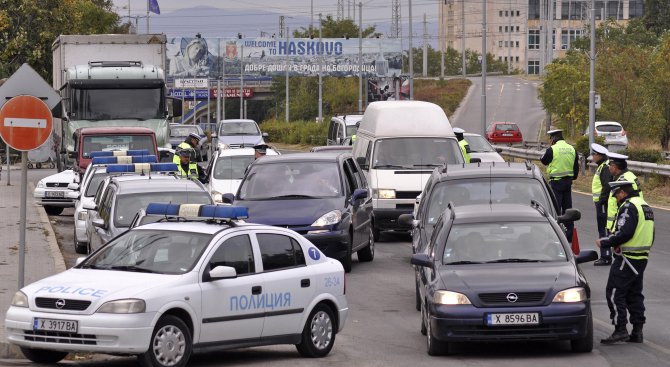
(198, 279)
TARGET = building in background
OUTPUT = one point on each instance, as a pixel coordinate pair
(514, 27)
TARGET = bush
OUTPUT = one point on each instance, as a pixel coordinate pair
(582, 144)
(644, 155)
(296, 132)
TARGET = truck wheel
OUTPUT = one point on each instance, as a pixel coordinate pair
(171, 344)
(53, 210)
(318, 335)
(30, 165)
(42, 355)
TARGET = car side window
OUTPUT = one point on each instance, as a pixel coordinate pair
(106, 204)
(331, 130)
(350, 178)
(235, 252)
(279, 252)
(356, 173)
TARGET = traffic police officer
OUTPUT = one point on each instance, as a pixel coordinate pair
(188, 169)
(260, 150)
(601, 191)
(465, 147)
(562, 167)
(192, 141)
(631, 242)
(619, 170)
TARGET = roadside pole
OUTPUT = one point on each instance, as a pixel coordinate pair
(22, 216)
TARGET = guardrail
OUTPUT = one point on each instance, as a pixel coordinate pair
(643, 168)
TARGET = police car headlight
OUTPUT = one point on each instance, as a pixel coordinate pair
(20, 299)
(383, 194)
(40, 184)
(450, 298)
(329, 218)
(123, 306)
(217, 196)
(82, 215)
(577, 294)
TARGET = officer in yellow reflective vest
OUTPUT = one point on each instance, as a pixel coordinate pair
(631, 241)
(462, 143)
(188, 169)
(191, 142)
(600, 189)
(619, 170)
(562, 167)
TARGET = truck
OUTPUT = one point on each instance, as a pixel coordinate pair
(93, 139)
(109, 80)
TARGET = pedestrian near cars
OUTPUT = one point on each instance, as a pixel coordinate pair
(631, 243)
(192, 141)
(188, 168)
(462, 143)
(562, 167)
(619, 169)
(600, 190)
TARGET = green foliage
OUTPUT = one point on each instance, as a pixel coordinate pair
(448, 94)
(453, 62)
(657, 15)
(296, 132)
(644, 155)
(582, 144)
(333, 28)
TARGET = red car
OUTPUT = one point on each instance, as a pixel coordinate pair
(504, 132)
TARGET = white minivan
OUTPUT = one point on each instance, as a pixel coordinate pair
(398, 145)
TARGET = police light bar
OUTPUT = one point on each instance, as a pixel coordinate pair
(142, 168)
(125, 159)
(117, 153)
(198, 211)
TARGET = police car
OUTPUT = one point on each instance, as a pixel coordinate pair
(196, 280)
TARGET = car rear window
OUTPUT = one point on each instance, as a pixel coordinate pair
(507, 127)
(232, 168)
(609, 128)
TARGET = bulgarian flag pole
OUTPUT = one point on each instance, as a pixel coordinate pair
(152, 6)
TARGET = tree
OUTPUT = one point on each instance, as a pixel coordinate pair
(657, 16)
(29, 27)
(333, 28)
(657, 83)
(565, 92)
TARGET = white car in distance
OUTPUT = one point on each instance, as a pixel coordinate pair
(53, 192)
(227, 170)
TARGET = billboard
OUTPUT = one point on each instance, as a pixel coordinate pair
(197, 57)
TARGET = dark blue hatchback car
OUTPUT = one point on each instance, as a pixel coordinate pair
(322, 196)
(501, 273)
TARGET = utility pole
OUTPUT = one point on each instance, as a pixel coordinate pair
(543, 37)
(411, 55)
(442, 40)
(425, 47)
(509, 40)
(483, 103)
(287, 66)
(281, 26)
(550, 32)
(592, 75)
(340, 9)
(148, 17)
(320, 73)
(242, 80)
(360, 56)
(311, 16)
(465, 65)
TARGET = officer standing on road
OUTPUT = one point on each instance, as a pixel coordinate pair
(631, 242)
(189, 169)
(192, 141)
(465, 147)
(619, 170)
(601, 191)
(562, 167)
(260, 150)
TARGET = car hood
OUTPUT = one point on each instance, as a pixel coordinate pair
(246, 140)
(508, 277)
(67, 176)
(289, 212)
(225, 186)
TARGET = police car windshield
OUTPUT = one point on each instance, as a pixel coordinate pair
(94, 182)
(283, 180)
(128, 205)
(239, 128)
(150, 251)
(501, 242)
(480, 191)
(415, 153)
(232, 168)
(478, 144)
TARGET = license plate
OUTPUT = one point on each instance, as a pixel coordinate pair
(54, 194)
(507, 134)
(531, 318)
(55, 325)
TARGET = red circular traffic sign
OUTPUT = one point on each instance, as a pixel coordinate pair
(25, 122)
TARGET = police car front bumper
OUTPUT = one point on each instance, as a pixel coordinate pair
(98, 333)
(334, 244)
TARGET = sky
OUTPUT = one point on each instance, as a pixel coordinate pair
(256, 16)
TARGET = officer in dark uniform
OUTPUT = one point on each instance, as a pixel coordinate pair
(619, 170)
(188, 168)
(462, 143)
(600, 190)
(260, 150)
(631, 243)
(562, 167)
(192, 141)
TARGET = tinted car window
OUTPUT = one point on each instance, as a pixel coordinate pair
(291, 179)
(481, 190)
(239, 128)
(235, 252)
(609, 128)
(478, 144)
(93, 184)
(502, 241)
(116, 142)
(232, 168)
(415, 153)
(128, 205)
(278, 252)
(507, 127)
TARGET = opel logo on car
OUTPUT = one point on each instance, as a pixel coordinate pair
(512, 297)
(61, 303)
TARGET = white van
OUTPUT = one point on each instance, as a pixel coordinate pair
(398, 145)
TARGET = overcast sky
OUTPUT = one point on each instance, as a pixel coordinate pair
(374, 12)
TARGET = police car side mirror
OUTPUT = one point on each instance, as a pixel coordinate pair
(228, 198)
(90, 206)
(499, 150)
(222, 272)
(99, 223)
(586, 256)
(421, 260)
(406, 220)
(265, 135)
(571, 215)
(73, 186)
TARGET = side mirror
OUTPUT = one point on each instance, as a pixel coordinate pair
(228, 198)
(90, 206)
(361, 163)
(421, 260)
(359, 194)
(586, 256)
(571, 215)
(406, 220)
(223, 272)
(73, 186)
(499, 150)
(475, 160)
(265, 135)
(74, 195)
(99, 223)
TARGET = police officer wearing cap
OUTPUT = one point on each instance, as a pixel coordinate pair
(562, 167)
(465, 147)
(600, 190)
(619, 170)
(631, 242)
(260, 150)
(189, 169)
(191, 142)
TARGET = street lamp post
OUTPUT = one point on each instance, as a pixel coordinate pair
(360, 56)
(592, 78)
(287, 89)
(411, 55)
(483, 67)
(320, 72)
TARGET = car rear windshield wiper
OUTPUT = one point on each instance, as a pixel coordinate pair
(464, 262)
(514, 260)
(132, 268)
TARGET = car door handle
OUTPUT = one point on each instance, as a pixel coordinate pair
(256, 289)
(304, 283)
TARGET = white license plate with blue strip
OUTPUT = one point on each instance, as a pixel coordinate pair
(528, 318)
(68, 326)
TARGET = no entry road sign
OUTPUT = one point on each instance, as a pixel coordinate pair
(25, 122)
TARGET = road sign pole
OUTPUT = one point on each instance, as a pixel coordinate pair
(8, 167)
(22, 220)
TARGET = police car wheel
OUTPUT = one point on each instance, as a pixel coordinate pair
(43, 356)
(318, 335)
(79, 247)
(368, 252)
(53, 210)
(170, 345)
(417, 296)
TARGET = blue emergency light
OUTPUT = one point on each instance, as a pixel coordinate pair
(198, 211)
(142, 168)
(125, 159)
(114, 153)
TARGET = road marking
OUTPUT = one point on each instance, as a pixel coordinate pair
(23, 122)
(646, 341)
